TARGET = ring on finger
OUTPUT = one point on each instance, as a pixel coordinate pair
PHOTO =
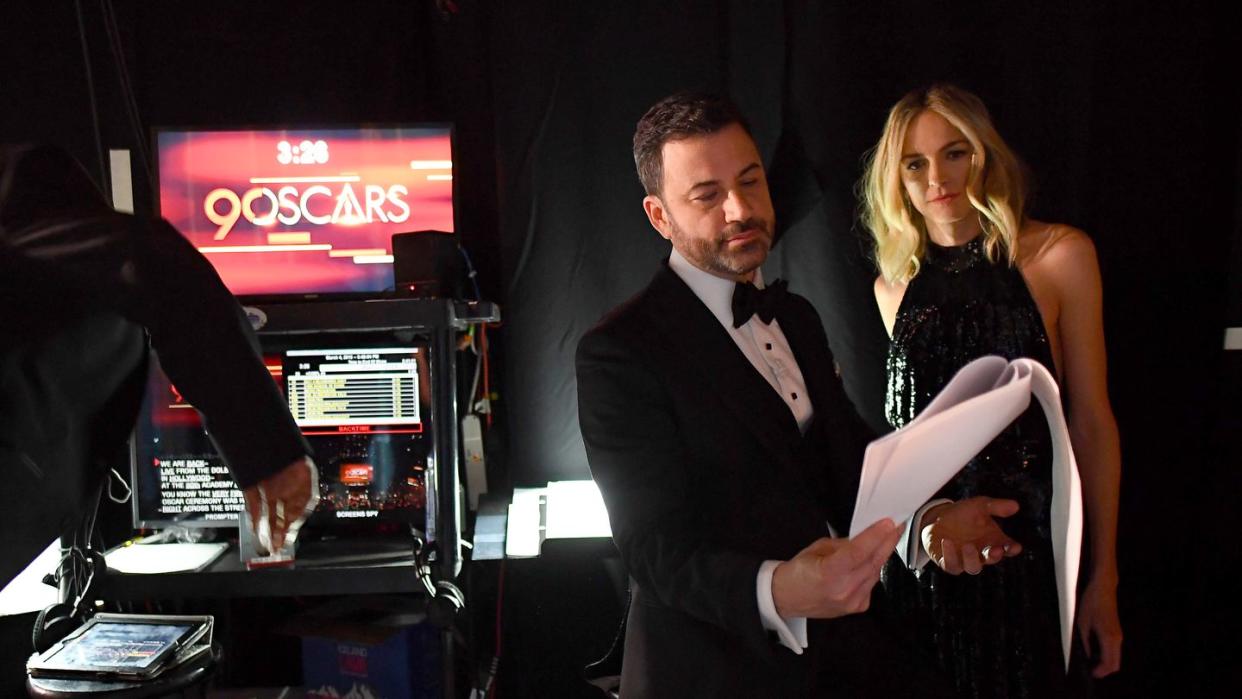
(986, 552)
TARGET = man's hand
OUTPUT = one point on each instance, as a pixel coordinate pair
(284, 499)
(834, 577)
(1097, 616)
(963, 536)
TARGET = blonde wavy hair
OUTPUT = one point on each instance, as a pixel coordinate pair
(996, 186)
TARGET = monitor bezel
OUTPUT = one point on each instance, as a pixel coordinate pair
(307, 296)
(420, 525)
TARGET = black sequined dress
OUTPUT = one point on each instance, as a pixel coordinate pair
(997, 633)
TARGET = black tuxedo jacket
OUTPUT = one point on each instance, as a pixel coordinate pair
(706, 475)
(78, 285)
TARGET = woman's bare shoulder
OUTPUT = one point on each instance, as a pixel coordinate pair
(1053, 244)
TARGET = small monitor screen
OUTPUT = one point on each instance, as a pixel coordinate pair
(110, 645)
(320, 205)
(365, 410)
(362, 409)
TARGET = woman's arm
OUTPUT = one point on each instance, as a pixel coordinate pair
(1070, 269)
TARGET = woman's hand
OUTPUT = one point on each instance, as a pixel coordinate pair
(963, 536)
(1097, 616)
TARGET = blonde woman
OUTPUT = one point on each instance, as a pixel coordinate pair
(964, 273)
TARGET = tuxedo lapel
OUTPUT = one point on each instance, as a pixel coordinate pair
(695, 333)
(843, 433)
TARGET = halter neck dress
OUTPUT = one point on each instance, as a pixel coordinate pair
(996, 633)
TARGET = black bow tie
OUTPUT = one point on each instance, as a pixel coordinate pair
(749, 300)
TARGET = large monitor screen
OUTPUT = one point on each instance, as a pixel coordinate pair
(305, 211)
(364, 408)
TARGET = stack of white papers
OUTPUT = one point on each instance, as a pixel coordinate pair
(904, 469)
(164, 558)
(575, 510)
(562, 510)
(524, 532)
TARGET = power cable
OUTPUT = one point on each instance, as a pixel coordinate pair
(90, 91)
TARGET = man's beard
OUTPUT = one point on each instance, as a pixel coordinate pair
(715, 256)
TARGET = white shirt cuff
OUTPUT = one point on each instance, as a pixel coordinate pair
(910, 547)
(791, 632)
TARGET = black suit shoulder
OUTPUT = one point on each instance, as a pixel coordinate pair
(628, 321)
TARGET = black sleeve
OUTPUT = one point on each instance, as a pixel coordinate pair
(209, 351)
(65, 254)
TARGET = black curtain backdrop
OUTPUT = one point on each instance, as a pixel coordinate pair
(1127, 115)
(816, 79)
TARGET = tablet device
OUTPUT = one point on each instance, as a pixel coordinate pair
(134, 646)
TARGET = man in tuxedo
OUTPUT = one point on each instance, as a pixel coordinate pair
(79, 283)
(727, 452)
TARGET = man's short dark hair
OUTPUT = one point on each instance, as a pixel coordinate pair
(673, 118)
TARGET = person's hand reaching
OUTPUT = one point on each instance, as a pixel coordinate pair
(280, 503)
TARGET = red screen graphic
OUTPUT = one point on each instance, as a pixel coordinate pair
(300, 211)
(356, 474)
